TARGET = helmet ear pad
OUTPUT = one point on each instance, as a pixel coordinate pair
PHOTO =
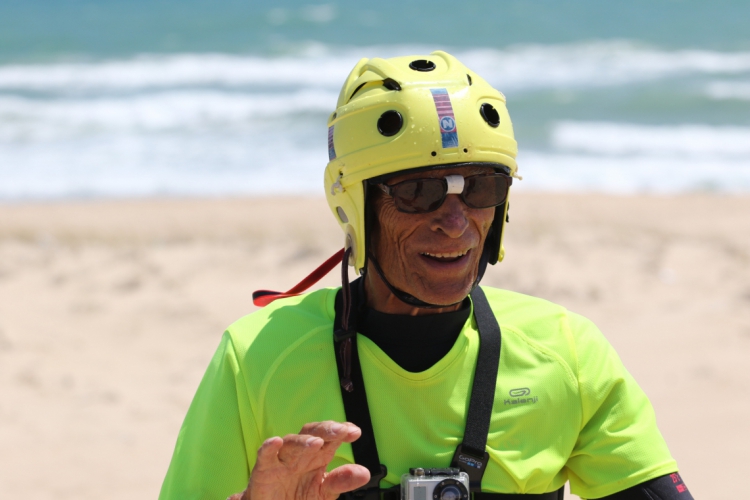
(495, 235)
(371, 192)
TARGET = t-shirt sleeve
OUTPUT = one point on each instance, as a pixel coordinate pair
(210, 458)
(619, 444)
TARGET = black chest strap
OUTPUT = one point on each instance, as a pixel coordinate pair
(471, 455)
(357, 410)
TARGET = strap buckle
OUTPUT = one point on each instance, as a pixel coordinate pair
(472, 464)
(339, 335)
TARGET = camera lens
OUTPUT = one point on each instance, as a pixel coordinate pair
(450, 493)
(450, 489)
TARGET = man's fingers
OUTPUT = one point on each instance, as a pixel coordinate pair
(268, 452)
(297, 446)
(353, 433)
(311, 449)
(288, 451)
(333, 434)
(331, 431)
(345, 478)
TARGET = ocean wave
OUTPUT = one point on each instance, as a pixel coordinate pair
(126, 166)
(27, 119)
(145, 72)
(138, 165)
(597, 64)
(729, 90)
(589, 64)
(662, 140)
(631, 174)
(213, 124)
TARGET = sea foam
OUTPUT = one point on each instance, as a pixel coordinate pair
(729, 90)
(631, 174)
(665, 140)
(27, 119)
(517, 67)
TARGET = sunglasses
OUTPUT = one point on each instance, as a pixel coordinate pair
(419, 196)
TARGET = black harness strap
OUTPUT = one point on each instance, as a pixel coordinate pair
(357, 410)
(471, 455)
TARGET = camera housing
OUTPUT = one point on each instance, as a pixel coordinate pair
(435, 484)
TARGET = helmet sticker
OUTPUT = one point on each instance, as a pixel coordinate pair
(446, 119)
(331, 149)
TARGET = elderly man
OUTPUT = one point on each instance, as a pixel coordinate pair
(412, 376)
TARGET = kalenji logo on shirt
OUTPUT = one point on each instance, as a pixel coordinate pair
(517, 397)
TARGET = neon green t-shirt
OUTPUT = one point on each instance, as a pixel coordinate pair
(565, 407)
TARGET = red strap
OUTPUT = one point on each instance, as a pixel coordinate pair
(262, 298)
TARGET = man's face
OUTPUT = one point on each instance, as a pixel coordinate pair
(432, 256)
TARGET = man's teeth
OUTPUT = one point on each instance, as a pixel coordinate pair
(451, 255)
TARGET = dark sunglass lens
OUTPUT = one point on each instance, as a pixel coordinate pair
(419, 195)
(484, 191)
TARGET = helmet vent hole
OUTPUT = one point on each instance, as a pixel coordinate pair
(433, 153)
(391, 84)
(490, 114)
(422, 65)
(466, 150)
(390, 123)
(357, 90)
(469, 77)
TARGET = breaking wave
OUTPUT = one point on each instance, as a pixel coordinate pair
(217, 124)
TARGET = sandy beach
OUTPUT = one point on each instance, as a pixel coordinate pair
(110, 311)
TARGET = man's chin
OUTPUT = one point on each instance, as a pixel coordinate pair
(447, 285)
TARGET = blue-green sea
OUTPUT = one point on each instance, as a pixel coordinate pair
(131, 98)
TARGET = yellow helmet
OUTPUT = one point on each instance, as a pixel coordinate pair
(408, 113)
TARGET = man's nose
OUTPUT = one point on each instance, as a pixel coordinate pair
(451, 218)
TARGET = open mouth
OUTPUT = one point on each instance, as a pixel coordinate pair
(446, 256)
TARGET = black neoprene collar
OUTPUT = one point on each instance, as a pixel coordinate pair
(415, 343)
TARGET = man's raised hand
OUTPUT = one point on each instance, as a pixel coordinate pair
(294, 468)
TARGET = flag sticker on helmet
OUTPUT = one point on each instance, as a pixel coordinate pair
(331, 149)
(446, 119)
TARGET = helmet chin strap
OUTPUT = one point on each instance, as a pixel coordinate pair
(411, 300)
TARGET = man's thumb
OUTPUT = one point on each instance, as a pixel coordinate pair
(343, 479)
